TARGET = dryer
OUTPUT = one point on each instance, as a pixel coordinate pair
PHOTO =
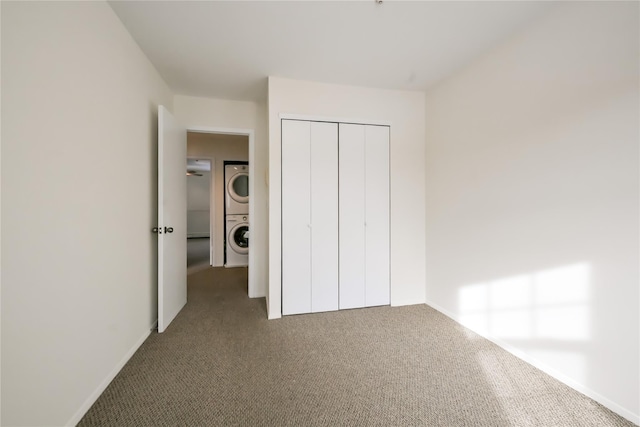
(237, 241)
(236, 189)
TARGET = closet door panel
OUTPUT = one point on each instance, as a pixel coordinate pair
(351, 214)
(324, 216)
(296, 217)
(377, 216)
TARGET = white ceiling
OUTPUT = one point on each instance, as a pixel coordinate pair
(227, 49)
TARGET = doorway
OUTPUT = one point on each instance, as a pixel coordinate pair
(215, 150)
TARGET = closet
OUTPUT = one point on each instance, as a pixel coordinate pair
(335, 216)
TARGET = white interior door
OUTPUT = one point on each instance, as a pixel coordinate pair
(352, 215)
(172, 218)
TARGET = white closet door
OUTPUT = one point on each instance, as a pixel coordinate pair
(352, 215)
(377, 244)
(296, 217)
(324, 216)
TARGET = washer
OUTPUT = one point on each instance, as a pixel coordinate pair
(236, 189)
(237, 237)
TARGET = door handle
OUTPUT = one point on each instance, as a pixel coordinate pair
(159, 230)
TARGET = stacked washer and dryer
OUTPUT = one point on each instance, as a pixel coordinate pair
(236, 178)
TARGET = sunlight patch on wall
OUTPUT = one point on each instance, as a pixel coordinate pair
(550, 304)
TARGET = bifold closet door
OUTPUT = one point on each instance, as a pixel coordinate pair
(309, 217)
(352, 215)
(296, 217)
(377, 244)
(364, 215)
(324, 216)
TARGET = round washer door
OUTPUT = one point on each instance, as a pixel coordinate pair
(239, 238)
(238, 187)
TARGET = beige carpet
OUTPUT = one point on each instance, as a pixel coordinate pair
(221, 363)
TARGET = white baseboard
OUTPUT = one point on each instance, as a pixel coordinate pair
(197, 235)
(273, 316)
(402, 303)
(75, 419)
(258, 295)
(629, 415)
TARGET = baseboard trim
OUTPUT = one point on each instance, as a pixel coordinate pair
(258, 295)
(198, 235)
(75, 419)
(629, 415)
(401, 303)
(273, 316)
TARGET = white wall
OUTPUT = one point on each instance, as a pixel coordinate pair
(78, 189)
(221, 148)
(198, 209)
(219, 113)
(532, 198)
(405, 111)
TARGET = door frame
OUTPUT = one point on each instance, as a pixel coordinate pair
(250, 133)
(212, 201)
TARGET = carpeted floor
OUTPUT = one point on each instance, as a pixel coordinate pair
(221, 363)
